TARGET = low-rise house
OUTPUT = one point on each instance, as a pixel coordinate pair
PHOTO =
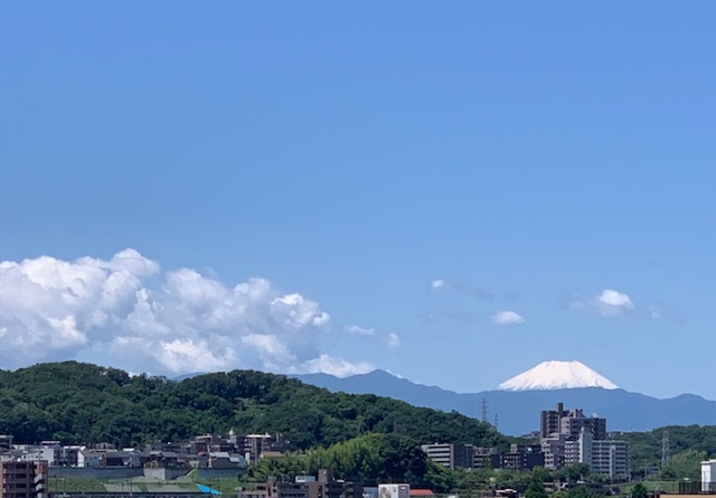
(89, 458)
(225, 460)
(323, 487)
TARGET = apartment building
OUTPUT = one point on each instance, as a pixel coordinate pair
(554, 449)
(571, 437)
(482, 457)
(550, 421)
(451, 455)
(604, 456)
(574, 422)
(20, 479)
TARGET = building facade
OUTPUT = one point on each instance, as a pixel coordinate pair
(554, 449)
(549, 422)
(482, 457)
(20, 479)
(603, 456)
(517, 460)
(708, 476)
(451, 455)
(573, 423)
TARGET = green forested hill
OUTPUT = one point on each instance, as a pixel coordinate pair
(78, 403)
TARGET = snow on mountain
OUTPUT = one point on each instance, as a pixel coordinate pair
(557, 375)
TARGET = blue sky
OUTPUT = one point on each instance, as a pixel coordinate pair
(554, 161)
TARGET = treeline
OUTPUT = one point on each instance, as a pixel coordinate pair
(687, 447)
(369, 459)
(84, 403)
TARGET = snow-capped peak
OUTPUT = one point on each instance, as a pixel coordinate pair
(557, 375)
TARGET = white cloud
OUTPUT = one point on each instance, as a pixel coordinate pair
(128, 312)
(616, 299)
(609, 303)
(358, 330)
(335, 366)
(437, 284)
(508, 317)
(393, 340)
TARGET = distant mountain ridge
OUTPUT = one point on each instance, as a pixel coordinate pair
(518, 411)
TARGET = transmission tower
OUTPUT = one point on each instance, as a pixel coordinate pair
(497, 419)
(484, 409)
(664, 449)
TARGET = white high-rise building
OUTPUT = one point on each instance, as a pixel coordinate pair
(708, 476)
(604, 456)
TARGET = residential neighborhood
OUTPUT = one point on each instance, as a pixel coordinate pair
(566, 437)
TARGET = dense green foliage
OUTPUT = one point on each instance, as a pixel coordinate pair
(535, 489)
(639, 491)
(83, 403)
(371, 458)
(684, 465)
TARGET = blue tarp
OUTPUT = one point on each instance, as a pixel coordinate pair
(208, 490)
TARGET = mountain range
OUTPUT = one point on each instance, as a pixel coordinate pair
(515, 408)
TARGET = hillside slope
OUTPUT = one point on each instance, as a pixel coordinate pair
(83, 403)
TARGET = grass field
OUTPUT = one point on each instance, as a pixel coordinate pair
(655, 485)
(142, 484)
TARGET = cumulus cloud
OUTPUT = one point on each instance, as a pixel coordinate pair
(609, 303)
(358, 330)
(508, 317)
(127, 311)
(393, 340)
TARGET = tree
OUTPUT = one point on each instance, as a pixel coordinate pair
(684, 465)
(639, 491)
(582, 492)
(535, 489)
(574, 472)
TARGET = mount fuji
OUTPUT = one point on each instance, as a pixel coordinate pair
(516, 405)
(557, 375)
